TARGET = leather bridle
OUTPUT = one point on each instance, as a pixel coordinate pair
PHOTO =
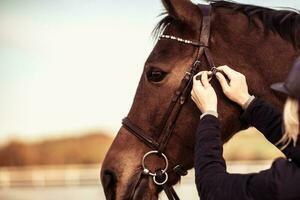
(160, 177)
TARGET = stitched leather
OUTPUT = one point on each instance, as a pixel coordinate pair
(178, 101)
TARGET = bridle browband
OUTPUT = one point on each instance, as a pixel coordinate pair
(160, 177)
(178, 39)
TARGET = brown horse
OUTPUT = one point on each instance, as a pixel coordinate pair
(259, 42)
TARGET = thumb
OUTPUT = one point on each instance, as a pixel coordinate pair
(223, 81)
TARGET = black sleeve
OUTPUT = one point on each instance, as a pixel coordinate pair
(214, 183)
(212, 180)
(269, 121)
(265, 118)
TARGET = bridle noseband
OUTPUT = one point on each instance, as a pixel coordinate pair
(160, 177)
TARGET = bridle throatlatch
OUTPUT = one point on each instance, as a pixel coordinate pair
(160, 177)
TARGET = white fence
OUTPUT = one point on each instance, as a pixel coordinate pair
(83, 175)
(46, 176)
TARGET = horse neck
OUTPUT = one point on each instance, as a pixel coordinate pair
(253, 50)
(262, 58)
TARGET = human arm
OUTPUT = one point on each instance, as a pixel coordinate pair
(269, 121)
(213, 182)
(265, 118)
(210, 166)
(259, 114)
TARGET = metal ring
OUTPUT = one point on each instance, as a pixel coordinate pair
(145, 169)
(161, 183)
(214, 70)
(197, 62)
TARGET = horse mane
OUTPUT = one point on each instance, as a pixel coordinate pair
(285, 22)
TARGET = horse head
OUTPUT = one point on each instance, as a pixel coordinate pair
(249, 49)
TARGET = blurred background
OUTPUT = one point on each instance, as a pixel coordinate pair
(68, 74)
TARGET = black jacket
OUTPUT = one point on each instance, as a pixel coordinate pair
(281, 181)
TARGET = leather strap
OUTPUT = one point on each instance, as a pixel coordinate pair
(206, 24)
(188, 79)
(139, 133)
(205, 34)
(170, 192)
(171, 123)
(178, 101)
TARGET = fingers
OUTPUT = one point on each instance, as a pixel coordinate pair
(228, 71)
(210, 76)
(193, 96)
(204, 79)
(223, 82)
(197, 85)
(197, 77)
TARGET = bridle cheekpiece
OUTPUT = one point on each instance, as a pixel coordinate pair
(160, 177)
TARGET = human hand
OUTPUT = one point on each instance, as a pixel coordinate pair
(237, 89)
(203, 94)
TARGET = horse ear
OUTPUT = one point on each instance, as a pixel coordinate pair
(185, 10)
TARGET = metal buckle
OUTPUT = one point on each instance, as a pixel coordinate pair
(146, 171)
(163, 182)
(187, 76)
(214, 70)
(196, 63)
(188, 73)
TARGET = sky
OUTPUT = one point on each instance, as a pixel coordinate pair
(70, 66)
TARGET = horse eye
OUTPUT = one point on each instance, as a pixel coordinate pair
(156, 75)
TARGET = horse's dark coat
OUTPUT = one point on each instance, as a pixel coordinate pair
(263, 58)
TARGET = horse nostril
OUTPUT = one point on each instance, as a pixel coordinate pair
(109, 181)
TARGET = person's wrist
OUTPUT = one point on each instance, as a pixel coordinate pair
(243, 99)
(210, 109)
(213, 113)
(248, 102)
